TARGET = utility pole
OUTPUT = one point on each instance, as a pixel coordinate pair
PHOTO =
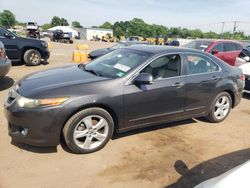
(222, 30)
(235, 26)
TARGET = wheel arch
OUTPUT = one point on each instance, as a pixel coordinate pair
(231, 93)
(102, 106)
(30, 48)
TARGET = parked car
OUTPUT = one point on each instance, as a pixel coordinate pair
(128, 88)
(100, 52)
(236, 177)
(227, 50)
(32, 51)
(5, 63)
(243, 62)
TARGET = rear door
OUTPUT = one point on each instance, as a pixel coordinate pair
(203, 76)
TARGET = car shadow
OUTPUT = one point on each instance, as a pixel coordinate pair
(22, 63)
(208, 169)
(152, 128)
(246, 96)
(6, 83)
(34, 149)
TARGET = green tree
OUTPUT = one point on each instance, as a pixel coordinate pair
(7, 19)
(106, 25)
(64, 22)
(46, 26)
(76, 24)
(56, 21)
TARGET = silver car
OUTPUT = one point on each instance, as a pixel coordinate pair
(5, 63)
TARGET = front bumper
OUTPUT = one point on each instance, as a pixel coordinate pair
(45, 54)
(5, 66)
(37, 126)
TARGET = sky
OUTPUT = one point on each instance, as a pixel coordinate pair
(203, 14)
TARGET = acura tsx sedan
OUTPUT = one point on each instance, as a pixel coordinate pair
(132, 87)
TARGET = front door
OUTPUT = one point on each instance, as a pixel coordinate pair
(161, 101)
(10, 45)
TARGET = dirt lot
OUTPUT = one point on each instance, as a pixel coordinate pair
(179, 154)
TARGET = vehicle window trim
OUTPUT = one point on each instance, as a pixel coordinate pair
(185, 64)
(131, 79)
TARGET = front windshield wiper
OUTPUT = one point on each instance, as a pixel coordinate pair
(83, 66)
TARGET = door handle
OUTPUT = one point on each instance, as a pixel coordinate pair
(177, 85)
(216, 78)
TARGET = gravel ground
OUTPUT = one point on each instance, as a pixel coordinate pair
(180, 154)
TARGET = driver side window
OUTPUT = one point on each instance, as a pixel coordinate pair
(164, 67)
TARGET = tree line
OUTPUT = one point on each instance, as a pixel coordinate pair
(134, 27)
(137, 27)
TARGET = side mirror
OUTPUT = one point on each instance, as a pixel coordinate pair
(7, 35)
(214, 52)
(144, 79)
(247, 58)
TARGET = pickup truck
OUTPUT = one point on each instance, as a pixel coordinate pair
(31, 51)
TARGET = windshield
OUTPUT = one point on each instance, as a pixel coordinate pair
(199, 45)
(117, 63)
(117, 46)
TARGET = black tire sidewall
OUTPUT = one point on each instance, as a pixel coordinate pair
(71, 127)
(27, 59)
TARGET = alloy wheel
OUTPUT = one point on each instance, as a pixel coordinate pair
(91, 132)
(222, 107)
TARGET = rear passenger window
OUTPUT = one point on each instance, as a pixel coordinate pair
(238, 47)
(199, 64)
(228, 47)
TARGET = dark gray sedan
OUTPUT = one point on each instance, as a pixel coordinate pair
(5, 63)
(132, 87)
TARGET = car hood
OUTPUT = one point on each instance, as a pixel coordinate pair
(55, 78)
(30, 39)
(236, 177)
(100, 52)
(245, 68)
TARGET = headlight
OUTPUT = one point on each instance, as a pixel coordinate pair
(44, 44)
(24, 102)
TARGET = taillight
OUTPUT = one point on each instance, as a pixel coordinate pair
(2, 53)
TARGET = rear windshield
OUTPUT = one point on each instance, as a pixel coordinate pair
(199, 45)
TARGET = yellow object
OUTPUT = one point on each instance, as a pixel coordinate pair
(80, 57)
(84, 57)
(76, 57)
(49, 45)
(82, 47)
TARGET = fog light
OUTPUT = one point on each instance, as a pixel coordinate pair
(24, 131)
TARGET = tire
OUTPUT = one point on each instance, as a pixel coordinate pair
(88, 130)
(32, 57)
(219, 110)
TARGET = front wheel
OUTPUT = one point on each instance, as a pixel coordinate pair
(220, 108)
(88, 130)
(32, 57)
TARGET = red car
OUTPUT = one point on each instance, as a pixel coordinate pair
(227, 50)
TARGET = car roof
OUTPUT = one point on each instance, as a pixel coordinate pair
(217, 40)
(133, 42)
(162, 49)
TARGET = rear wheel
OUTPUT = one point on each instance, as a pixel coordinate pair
(32, 57)
(88, 130)
(220, 108)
